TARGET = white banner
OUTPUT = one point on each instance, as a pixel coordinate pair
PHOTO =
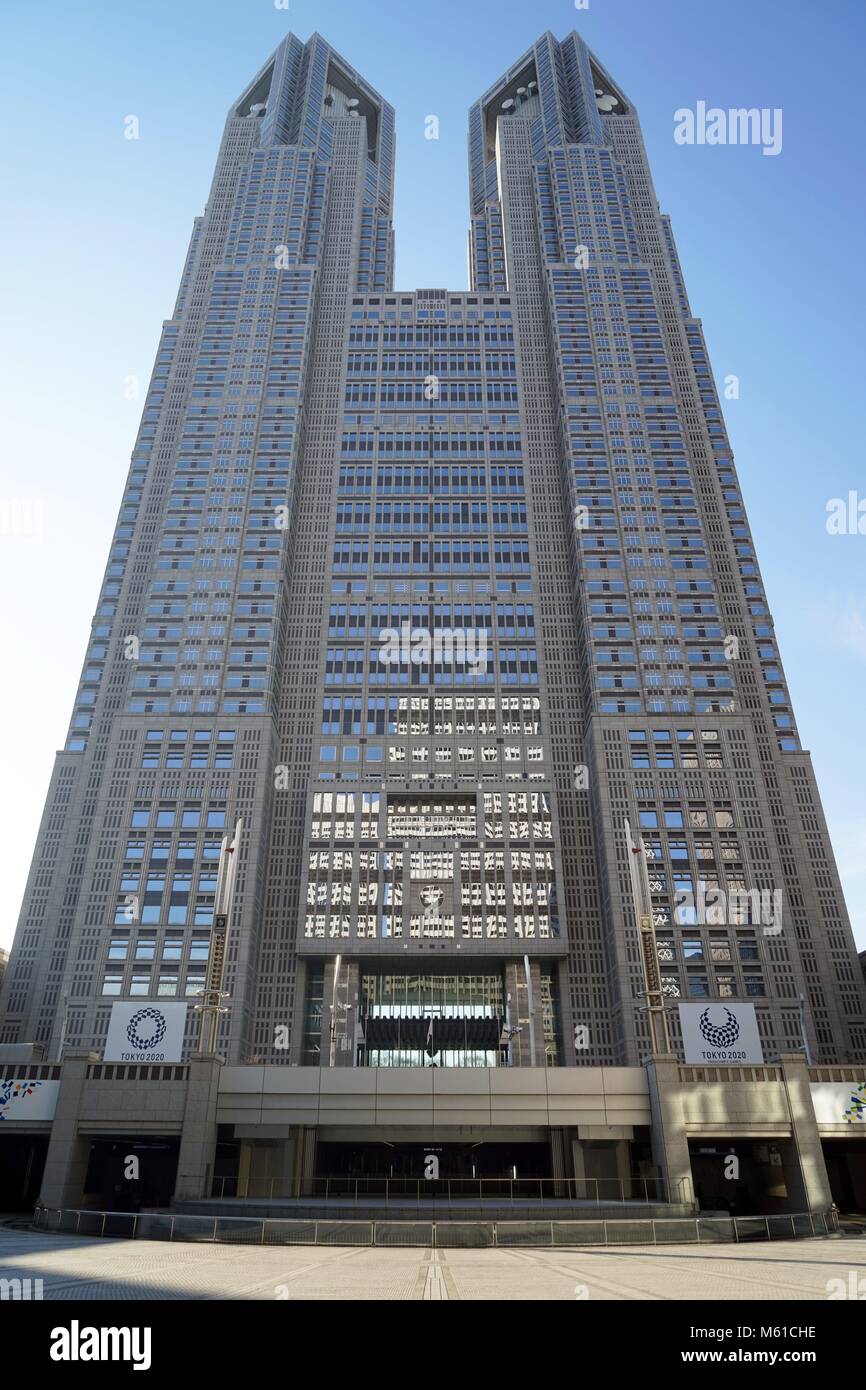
(145, 1031)
(839, 1102)
(714, 1033)
(28, 1100)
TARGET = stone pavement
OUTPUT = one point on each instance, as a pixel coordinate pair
(74, 1267)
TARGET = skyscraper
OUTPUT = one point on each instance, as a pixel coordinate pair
(435, 590)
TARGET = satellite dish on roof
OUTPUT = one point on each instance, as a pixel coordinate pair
(353, 101)
(257, 108)
(508, 104)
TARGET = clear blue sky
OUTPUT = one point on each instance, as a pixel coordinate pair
(96, 228)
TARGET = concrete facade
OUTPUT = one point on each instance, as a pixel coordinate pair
(433, 934)
(278, 1116)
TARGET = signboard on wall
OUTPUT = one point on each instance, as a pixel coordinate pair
(839, 1102)
(717, 1033)
(145, 1031)
(27, 1100)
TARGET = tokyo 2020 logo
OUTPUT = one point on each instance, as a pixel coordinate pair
(720, 1035)
(151, 1034)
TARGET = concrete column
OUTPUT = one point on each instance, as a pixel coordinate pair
(669, 1137)
(195, 1162)
(67, 1157)
(557, 1162)
(623, 1167)
(305, 1161)
(285, 1172)
(244, 1167)
(804, 1129)
(578, 1162)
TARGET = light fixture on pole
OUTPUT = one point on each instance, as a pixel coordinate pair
(640, 887)
(213, 995)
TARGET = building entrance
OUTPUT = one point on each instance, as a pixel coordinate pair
(429, 1163)
(746, 1177)
(22, 1161)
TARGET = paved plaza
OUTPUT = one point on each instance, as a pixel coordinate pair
(80, 1268)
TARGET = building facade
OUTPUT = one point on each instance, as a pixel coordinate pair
(435, 591)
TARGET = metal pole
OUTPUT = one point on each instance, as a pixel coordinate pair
(529, 1002)
(211, 1007)
(642, 896)
(61, 1043)
(803, 1033)
(332, 1056)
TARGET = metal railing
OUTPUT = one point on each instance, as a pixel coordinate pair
(499, 1190)
(247, 1230)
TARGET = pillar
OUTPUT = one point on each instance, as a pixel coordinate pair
(198, 1138)
(804, 1130)
(68, 1155)
(669, 1138)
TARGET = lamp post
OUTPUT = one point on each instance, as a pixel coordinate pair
(640, 887)
(212, 1005)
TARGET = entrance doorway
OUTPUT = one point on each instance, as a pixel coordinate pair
(22, 1161)
(463, 1169)
(746, 1177)
(128, 1174)
(846, 1169)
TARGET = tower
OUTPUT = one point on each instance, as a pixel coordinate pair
(434, 590)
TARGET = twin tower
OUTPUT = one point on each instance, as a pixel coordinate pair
(529, 481)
